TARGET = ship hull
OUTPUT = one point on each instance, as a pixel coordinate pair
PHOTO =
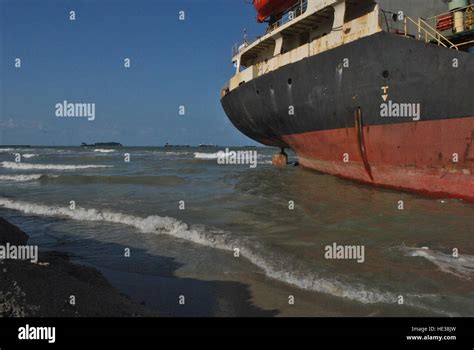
(338, 127)
(412, 157)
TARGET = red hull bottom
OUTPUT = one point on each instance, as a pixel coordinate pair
(434, 158)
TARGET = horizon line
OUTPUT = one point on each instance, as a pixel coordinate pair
(124, 146)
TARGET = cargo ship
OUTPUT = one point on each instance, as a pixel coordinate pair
(379, 92)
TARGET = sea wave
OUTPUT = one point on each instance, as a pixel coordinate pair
(163, 180)
(462, 267)
(101, 150)
(30, 166)
(176, 153)
(20, 178)
(199, 155)
(210, 238)
(29, 155)
(261, 158)
(273, 267)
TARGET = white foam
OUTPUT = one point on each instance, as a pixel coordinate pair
(100, 150)
(216, 155)
(29, 155)
(20, 178)
(462, 267)
(199, 155)
(3, 150)
(29, 166)
(262, 159)
(176, 153)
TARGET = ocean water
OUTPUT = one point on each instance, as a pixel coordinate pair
(184, 218)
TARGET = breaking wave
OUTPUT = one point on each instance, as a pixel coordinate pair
(176, 153)
(273, 267)
(262, 159)
(20, 178)
(29, 155)
(86, 179)
(199, 155)
(210, 238)
(100, 150)
(462, 267)
(29, 166)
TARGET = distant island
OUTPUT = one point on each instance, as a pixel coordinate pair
(102, 144)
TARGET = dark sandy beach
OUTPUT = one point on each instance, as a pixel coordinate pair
(44, 289)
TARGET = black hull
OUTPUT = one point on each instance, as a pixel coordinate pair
(325, 95)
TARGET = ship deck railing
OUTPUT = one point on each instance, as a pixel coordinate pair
(295, 11)
(427, 33)
(428, 29)
(292, 13)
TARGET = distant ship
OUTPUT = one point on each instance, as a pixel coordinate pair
(102, 144)
(380, 92)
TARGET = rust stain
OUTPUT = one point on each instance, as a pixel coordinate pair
(361, 142)
(469, 152)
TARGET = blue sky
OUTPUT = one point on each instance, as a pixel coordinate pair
(173, 63)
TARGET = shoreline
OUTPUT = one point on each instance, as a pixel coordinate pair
(43, 289)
